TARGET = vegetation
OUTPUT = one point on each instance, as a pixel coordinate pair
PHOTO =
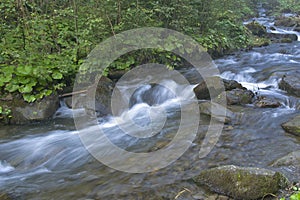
(283, 6)
(44, 42)
(294, 191)
(5, 114)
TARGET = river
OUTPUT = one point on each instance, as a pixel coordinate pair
(48, 160)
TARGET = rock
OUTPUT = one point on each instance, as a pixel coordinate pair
(297, 29)
(292, 159)
(292, 126)
(288, 22)
(286, 40)
(291, 83)
(231, 85)
(68, 102)
(257, 29)
(239, 97)
(151, 94)
(205, 108)
(4, 196)
(242, 182)
(116, 74)
(264, 102)
(277, 38)
(202, 91)
(101, 100)
(261, 42)
(23, 112)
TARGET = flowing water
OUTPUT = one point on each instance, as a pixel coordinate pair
(48, 160)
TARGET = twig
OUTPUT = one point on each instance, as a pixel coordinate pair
(72, 93)
(111, 26)
(181, 192)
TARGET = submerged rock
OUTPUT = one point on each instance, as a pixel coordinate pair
(222, 114)
(242, 182)
(292, 126)
(292, 159)
(291, 83)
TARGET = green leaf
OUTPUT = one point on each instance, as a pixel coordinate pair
(26, 89)
(24, 70)
(23, 80)
(29, 98)
(57, 75)
(12, 87)
(295, 196)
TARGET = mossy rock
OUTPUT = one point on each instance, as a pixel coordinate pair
(282, 38)
(292, 126)
(23, 112)
(286, 40)
(260, 42)
(242, 182)
(4, 196)
(257, 29)
(288, 21)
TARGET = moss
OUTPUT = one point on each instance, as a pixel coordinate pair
(286, 40)
(257, 29)
(242, 183)
(260, 42)
(4, 196)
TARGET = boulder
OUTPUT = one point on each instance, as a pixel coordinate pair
(288, 22)
(231, 85)
(242, 182)
(291, 83)
(202, 92)
(278, 38)
(101, 100)
(239, 97)
(263, 102)
(292, 126)
(292, 159)
(257, 29)
(151, 94)
(222, 114)
(23, 112)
